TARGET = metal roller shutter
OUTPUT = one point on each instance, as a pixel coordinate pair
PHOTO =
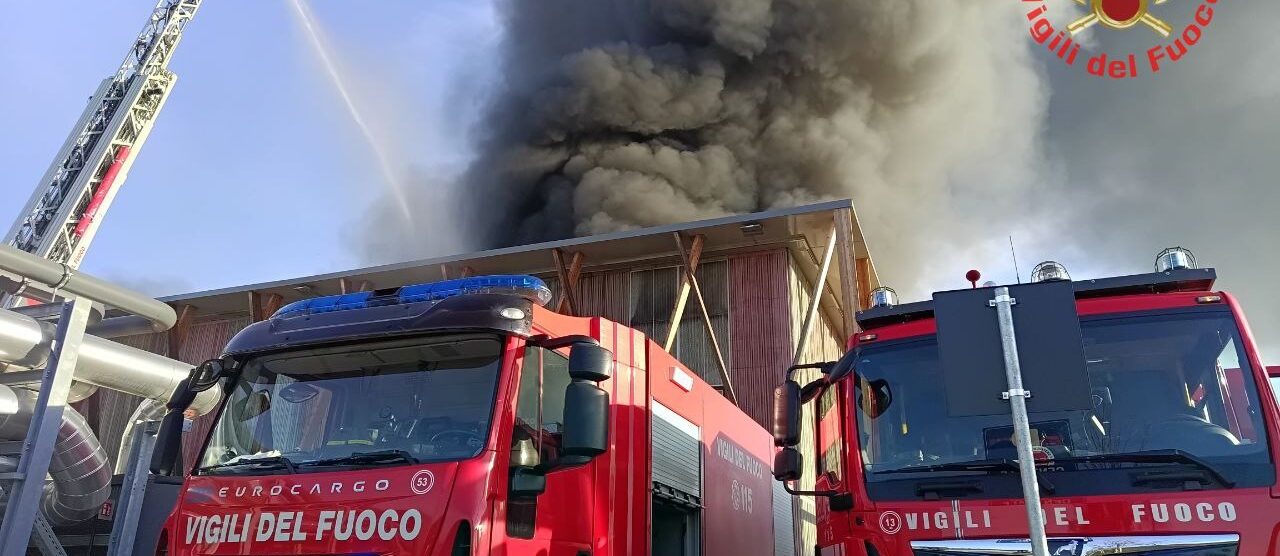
(784, 531)
(677, 457)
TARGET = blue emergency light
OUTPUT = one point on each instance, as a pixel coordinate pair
(528, 287)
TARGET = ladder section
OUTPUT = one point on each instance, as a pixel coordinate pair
(63, 214)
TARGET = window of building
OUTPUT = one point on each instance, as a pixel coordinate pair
(653, 295)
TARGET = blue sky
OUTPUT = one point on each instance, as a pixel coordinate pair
(254, 171)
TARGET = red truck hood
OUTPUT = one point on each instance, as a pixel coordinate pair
(378, 510)
(1246, 513)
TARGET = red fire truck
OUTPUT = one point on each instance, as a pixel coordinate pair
(1170, 448)
(463, 418)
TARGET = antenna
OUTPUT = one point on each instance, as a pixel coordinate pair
(1014, 252)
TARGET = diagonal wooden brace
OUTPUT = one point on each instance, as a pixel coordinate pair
(706, 320)
(677, 311)
(568, 283)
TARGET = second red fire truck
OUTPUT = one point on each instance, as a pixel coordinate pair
(1153, 427)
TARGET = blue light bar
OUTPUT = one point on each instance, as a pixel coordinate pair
(528, 287)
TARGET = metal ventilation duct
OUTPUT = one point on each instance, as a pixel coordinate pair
(148, 410)
(24, 342)
(79, 466)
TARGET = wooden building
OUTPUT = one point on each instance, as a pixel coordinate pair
(756, 275)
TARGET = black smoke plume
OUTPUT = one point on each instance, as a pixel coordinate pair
(620, 114)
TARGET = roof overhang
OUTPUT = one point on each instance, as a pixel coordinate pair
(803, 230)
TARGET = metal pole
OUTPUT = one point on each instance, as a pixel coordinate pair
(28, 485)
(815, 297)
(1017, 397)
(133, 492)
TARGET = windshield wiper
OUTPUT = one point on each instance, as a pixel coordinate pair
(278, 462)
(365, 458)
(1155, 456)
(988, 466)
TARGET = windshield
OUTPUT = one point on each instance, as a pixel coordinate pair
(426, 399)
(1159, 383)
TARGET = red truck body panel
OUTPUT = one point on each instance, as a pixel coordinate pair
(888, 527)
(603, 508)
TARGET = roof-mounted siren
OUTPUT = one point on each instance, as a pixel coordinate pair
(1175, 258)
(1049, 271)
(883, 297)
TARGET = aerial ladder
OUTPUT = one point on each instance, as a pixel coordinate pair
(63, 215)
(59, 223)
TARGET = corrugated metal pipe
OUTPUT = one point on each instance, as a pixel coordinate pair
(79, 466)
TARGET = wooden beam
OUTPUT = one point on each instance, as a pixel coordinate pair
(706, 320)
(271, 304)
(567, 287)
(863, 265)
(575, 278)
(849, 299)
(444, 271)
(178, 334)
(255, 306)
(262, 306)
(677, 311)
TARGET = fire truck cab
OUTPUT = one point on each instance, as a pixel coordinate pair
(463, 418)
(1173, 450)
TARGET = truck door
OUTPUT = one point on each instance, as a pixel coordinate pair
(830, 465)
(557, 523)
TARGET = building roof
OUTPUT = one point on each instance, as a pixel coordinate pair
(804, 230)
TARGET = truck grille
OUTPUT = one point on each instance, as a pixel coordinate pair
(1172, 545)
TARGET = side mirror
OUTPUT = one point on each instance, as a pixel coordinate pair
(164, 457)
(586, 421)
(590, 362)
(814, 389)
(881, 397)
(527, 483)
(206, 375)
(787, 465)
(786, 414)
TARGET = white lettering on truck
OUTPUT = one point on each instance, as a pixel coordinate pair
(381, 485)
(1203, 512)
(964, 519)
(341, 525)
(739, 458)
